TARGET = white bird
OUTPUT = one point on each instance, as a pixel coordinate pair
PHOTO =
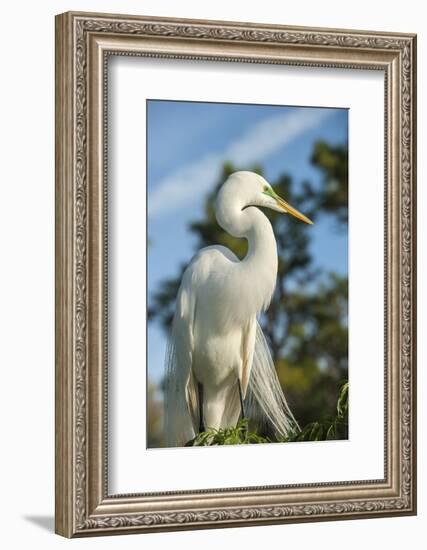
(218, 360)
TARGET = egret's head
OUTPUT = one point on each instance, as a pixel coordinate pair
(253, 190)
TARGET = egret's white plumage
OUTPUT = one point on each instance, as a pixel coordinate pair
(215, 340)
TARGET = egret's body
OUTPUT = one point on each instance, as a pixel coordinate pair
(214, 334)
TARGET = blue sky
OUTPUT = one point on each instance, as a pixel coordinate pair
(187, 144)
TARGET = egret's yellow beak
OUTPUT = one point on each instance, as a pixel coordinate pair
(287, 208)
(291, 210)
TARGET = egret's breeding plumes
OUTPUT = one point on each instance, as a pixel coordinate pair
(218, 362)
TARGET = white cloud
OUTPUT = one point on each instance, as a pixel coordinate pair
(261, 140)
(180, 188)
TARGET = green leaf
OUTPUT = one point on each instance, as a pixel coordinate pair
(342, 403)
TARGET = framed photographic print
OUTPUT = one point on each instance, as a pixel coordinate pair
(235, 274)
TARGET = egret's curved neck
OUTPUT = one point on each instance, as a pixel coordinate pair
(262, 249)
(259, 267)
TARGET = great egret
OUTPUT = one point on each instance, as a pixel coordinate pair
(218, 360)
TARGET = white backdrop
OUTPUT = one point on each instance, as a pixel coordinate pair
(362, 92)
(26, 289)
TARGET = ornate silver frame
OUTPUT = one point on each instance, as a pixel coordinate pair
(83, 42)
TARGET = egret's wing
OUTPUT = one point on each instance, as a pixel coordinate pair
(181, 397)
(265, 394)
(247, 353)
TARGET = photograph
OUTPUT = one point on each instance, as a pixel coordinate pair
(247, 270)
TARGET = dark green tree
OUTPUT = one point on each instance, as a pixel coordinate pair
(333, 162)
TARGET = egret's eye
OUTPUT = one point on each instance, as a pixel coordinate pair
(265, 188)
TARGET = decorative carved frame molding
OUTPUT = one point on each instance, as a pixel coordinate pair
(83, 43)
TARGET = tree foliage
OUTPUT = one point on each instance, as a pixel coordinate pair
(335, 427)
(333, 161)
(235, 435)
